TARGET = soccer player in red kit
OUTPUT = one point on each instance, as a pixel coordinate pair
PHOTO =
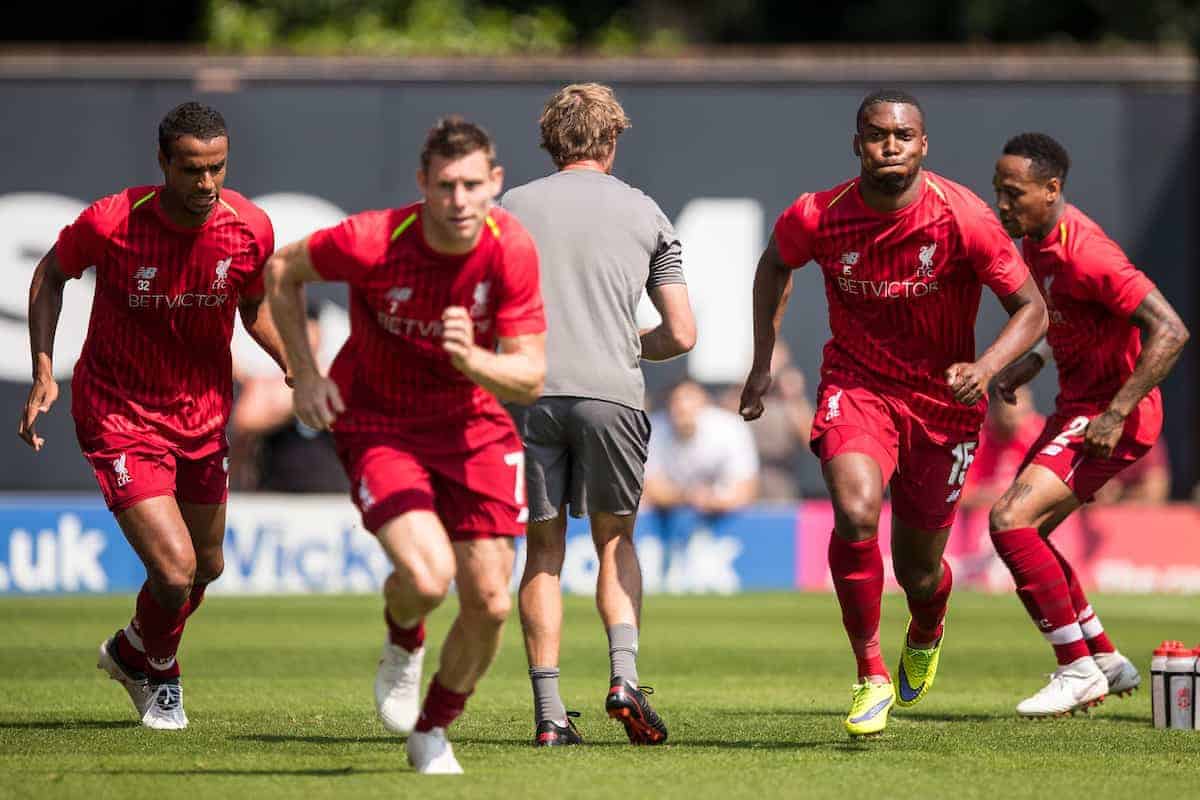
(152, 389)
(446, 320)
(904, 253)
(1115, 338)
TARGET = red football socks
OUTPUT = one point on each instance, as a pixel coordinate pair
(1042, 587)
(132, 643)
(927, 615)
(857, 569)
(160, 629)
(1093, 632)
(410, 639)
(441, 708)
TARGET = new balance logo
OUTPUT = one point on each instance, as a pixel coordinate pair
(397, 295)
(145, 273)
(925, 256)
(833, 405)
(849, 261)
(953, 496)
(121, 470)
(222, 272)
(365, 498)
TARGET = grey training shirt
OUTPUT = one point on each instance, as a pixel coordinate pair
(600, 243)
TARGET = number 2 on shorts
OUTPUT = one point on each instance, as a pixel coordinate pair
(1076, 428)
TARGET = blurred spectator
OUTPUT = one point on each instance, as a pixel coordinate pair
(700, 455)
(781, 433)
(270, 449)
(1008, 433)
(1147, 481)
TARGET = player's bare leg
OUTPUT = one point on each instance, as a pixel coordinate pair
(1039, 500)
(159, 534)
(423, 567)
(855, 482)
(619, 601)
(540, 603)
(484, 567)
(927, 581)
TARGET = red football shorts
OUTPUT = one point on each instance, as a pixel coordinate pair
(477, 491)
(1060, 450)
(926, 476)
(132, 468)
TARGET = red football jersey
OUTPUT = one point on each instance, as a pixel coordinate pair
(903, 289)
(392, 372)
(156, 361)
(1091, 290)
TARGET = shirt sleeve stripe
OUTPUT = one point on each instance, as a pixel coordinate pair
(142, 201)
(840, 195)
(492, 226)
(403, 226)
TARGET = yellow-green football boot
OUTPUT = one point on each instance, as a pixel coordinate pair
(869, 707)
(918, 668)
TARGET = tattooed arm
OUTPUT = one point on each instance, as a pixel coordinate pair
(1163, 338)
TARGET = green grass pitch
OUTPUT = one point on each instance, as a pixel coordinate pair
(753, 688)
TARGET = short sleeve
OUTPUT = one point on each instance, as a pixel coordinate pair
(81, 244)
(351, 248)
(1105, 275)
(794, 232)
(666, 264)
(519, 310)
(989, 249)
(264, 245)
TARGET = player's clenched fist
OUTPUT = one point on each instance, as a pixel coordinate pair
(318, 401)
(968, 381)
(458, 335)
(751, 404)
(1103, 433)
(41, 397)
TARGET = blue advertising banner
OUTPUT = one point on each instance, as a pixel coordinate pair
(286, 544)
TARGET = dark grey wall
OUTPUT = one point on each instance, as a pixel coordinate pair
(355, 144)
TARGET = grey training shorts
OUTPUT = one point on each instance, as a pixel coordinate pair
(589, 454)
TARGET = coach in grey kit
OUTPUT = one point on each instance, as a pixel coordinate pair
(601, 244)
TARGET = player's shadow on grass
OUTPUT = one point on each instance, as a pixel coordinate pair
(334, 772)
(276, 738)
(58, 724)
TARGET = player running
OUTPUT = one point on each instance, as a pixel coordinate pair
(1108, 414)
(152, 389)
(434, 461)
(602, 244)
(904, 253)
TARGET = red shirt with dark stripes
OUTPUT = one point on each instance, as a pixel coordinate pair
(1091, 291)
(903, 290)
(156, 362)
(392, 372)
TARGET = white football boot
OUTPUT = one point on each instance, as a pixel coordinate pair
(1073, 687)
(398, 687)
(1122, 675)
(430, 754)
(134, 682)
(165, 712)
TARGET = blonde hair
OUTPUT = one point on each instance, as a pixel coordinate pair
(582, 122)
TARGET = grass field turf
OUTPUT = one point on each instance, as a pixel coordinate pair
(753, 687)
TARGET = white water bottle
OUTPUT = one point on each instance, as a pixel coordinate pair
(1180, 674)
(1195, 690)
(1158, 685)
